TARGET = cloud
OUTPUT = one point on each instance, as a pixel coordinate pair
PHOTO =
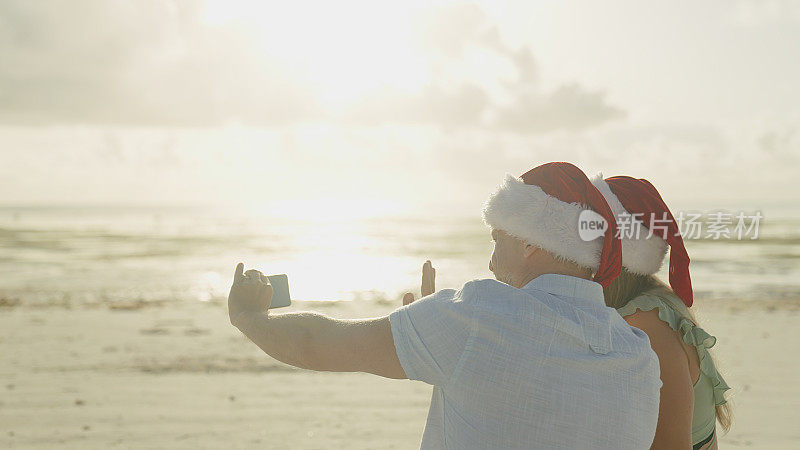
(449, 30)
(569, 107)
(458, 107)
(144, 63)
(159, 63)
(451, 34)
(751, 13)
(783, 144)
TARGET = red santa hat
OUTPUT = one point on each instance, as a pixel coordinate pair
(643, 252)
(543, 207)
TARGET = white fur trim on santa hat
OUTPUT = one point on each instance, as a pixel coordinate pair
(640, 254)
(530, 214)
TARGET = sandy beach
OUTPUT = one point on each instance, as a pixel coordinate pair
(147, 148)
(182, 377)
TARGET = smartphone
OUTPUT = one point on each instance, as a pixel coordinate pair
(280, 291)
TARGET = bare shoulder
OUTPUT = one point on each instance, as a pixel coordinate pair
(677, 397)
(648, 320)
(665, 341)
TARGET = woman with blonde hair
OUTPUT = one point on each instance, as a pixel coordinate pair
(693, 391)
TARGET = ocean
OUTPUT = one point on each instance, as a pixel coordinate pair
(89, 256)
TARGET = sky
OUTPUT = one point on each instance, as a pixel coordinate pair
(360, 108)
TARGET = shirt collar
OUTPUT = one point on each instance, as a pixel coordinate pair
(567, 286)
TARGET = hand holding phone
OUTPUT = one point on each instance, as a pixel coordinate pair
(280, 291)
(252, 291)
(280, 288)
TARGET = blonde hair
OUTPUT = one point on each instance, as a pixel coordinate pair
(628, 286)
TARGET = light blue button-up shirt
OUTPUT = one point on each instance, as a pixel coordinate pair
(545, 366)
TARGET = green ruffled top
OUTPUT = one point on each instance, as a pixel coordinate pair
(710, 387)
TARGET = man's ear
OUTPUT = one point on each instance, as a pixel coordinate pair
(530, 250)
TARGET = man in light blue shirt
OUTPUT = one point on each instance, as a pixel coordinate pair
(533, 359)
(544, 366)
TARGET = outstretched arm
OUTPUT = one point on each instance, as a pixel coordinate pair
(318, 342)
(310, 340)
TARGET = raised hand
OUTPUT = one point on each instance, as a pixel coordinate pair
(428, 279)
(250, 292)
(428, 286)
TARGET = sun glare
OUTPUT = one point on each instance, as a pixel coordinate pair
(346, 49)
(328, 209)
